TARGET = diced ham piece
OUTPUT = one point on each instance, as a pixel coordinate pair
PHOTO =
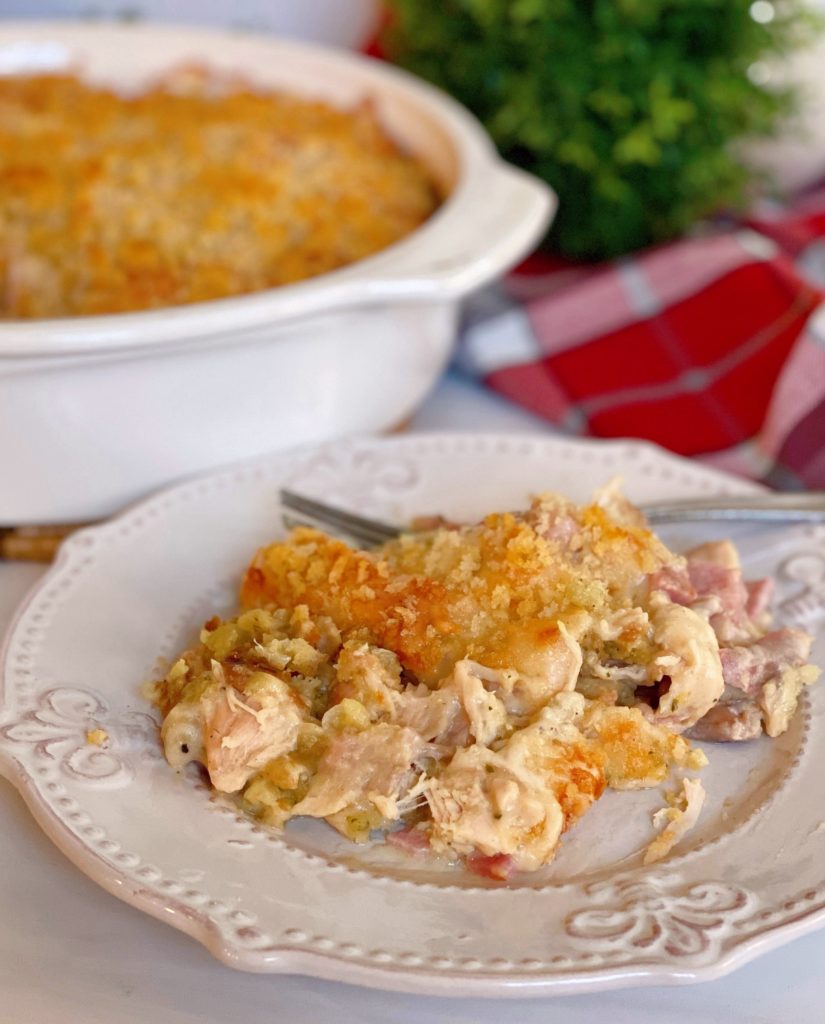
(675, 582)
(410, 840)
(734, 722)
(500, 867)
(551, 521)
(710, 579)
(748, 668)
(760, 593)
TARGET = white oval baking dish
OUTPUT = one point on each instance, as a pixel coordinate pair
(95, 411)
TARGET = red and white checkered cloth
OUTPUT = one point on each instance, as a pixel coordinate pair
(705, 346)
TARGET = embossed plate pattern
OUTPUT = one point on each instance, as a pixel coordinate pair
(751, 876)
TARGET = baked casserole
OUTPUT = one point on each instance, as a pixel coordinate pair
(198, 188)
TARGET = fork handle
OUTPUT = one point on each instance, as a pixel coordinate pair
(797, 507)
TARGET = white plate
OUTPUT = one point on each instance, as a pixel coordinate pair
(751, 876)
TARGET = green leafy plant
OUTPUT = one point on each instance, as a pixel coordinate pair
(630, 109)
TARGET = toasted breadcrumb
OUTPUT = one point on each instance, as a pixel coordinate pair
(491, 592)
(198, 188)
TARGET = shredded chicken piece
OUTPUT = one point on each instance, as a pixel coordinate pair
(680, 820)
(479, 804)
(779, 697)
(374, 765)
(241, 736)
(371, 676)
(486, 714)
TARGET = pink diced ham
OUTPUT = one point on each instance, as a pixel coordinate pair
(725, 723)
(410, 840)
(499, 867)
(710, 579)
(748, 668)
(712, 571)
(675, 582)
(760, 593)
(705, 575)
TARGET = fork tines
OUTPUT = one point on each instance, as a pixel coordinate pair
(303, 511)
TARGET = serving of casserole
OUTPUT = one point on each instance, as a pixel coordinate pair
(471, 691)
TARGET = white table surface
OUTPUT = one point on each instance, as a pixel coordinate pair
(72, 954)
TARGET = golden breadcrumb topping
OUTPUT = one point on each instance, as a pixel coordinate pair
(196, 189)
(493, 592)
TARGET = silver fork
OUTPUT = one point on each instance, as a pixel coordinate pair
(808, 507)
(302, 511)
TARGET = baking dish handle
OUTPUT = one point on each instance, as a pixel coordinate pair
(495, 220)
